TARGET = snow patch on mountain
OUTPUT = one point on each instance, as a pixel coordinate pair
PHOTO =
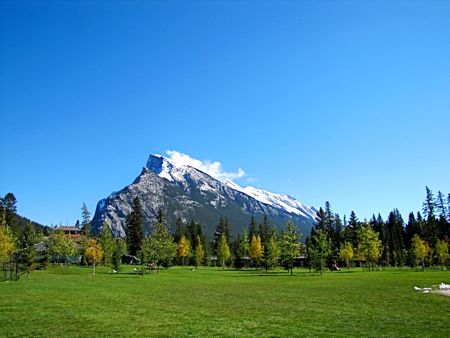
(175, 170)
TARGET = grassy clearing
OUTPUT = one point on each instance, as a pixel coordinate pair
(70, 301)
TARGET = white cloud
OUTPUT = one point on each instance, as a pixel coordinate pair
(211, 168)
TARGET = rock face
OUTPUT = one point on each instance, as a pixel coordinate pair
(186, 192)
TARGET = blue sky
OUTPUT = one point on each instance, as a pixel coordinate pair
(343, 101)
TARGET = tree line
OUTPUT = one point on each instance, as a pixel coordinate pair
(333, 242)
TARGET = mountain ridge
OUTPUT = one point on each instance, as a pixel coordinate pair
(187, 192)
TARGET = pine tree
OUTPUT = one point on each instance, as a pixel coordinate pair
(180, 229)
(351, 230)
(395, 238)
(272, 252)
(289, 246)
(9, 213)
(135, 227)
(107, 243)
(252, 228)
(159, 247)
(441, 207)
(320, 250)
(264, 230)
(429, 206)
(328, 220)
(119, 251)
(27, 242)
(86, 220)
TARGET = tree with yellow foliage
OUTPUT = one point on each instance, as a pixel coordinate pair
(7, 243)
(420, 250)
(256, 250)
(223, 250)
(442, 252)
(94, 253)
(346, 253)
(369, 245)
(183, 248)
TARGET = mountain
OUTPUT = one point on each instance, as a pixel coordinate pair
(189, 193)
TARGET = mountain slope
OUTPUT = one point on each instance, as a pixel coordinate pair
(186, 192)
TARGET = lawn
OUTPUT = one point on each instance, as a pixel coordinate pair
(70, 301)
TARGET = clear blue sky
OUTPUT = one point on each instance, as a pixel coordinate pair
(346, 101)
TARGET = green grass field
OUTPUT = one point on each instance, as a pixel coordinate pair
(70, 301)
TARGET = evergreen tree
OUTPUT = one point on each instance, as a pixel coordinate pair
(159, 247)
(27, 242)
(9, 213)
(264, 230)
(272, 252)
(429, 206)
(320, 250)
(135, 227)
(289, 246)
(395, 238)
(119, 251)
(222, 228)
(441, 207)
(86, 220)
(180, 230)
(411, 229)
(337, 237)
(351, 230)
(328, 221)
(107, 243)
(252, 228)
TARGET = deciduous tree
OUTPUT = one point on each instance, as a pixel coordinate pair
(441, 252)
(223, 250)
(94, 253)
(369, 245)
(346, 253)
(420, 250)
(183, 248)
(199, 252)
(256, 250)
